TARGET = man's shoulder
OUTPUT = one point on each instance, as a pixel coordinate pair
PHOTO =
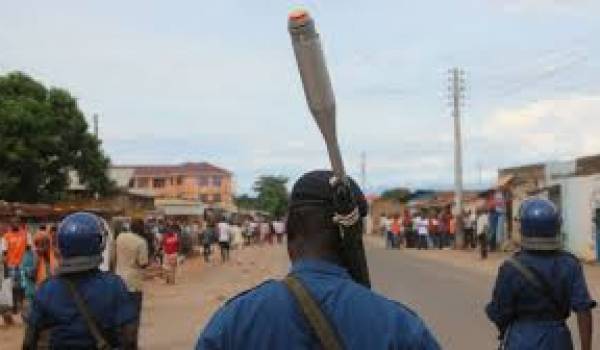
(262, 292)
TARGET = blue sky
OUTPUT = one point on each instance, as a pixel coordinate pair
(216, 81)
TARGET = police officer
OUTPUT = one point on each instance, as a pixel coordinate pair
(318, 305)
(82, 307)
(539, 286)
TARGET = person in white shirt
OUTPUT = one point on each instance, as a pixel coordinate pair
(265, 231)
(235, 230)
(224, 237)
(482, 230)
(422, 225)
(279, 228)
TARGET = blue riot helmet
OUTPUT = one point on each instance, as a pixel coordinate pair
(81, 240)
(540, 225)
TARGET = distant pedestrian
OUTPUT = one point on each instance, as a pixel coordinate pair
(434, 230)
(6, 290)
(452, 231)
(46, 262)
(224, 236)
(247, 232)
(28, 279)
(482, 232)
(444, 228)
(279, 229)
(470, 226)
(207, 241)
(265, 231)
(170, 251)
(131, 260)
(422, 226)
(237, 239)
(395, 230)
(14, 243)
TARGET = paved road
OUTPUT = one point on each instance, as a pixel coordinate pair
(449, 299)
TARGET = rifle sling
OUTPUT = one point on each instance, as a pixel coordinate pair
(92, 325)
(314, 315)
(539, 283)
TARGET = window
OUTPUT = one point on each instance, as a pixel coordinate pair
(203, 181)
(204, 198)
(179, 180)
(159, 182)
(142, 182)
(216, 181)
(131, 183)
(217, 198)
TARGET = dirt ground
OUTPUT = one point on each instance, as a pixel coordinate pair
(173, 315)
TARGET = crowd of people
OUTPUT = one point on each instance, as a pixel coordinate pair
(240, 232)
(437, 228)
(30, 253)
(28, 259)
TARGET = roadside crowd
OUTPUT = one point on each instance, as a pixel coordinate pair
(437, 229)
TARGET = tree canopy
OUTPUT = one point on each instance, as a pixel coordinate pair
(272, 194)
(43, 136)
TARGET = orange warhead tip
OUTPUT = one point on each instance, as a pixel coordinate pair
(298, 14)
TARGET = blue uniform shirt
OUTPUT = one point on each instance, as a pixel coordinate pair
(533, 318)
(107, 299)
(268, 317)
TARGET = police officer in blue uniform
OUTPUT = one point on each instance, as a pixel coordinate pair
(82, 307)
(328, 310)
(538, 287)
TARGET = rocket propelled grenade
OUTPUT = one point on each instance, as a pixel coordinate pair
(321, 101)
(316, 82)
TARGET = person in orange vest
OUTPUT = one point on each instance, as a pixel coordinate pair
(14, 244)
(46, 262)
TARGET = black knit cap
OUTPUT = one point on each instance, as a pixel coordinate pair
(314, 189)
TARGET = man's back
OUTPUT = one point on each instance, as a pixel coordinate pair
(106, 297)
(268, 317)
(132, 255)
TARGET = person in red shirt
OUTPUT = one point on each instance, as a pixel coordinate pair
(396, 229)
(170, 249)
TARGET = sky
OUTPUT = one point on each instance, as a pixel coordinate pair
(217, 81)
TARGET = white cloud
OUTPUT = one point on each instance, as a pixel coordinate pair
(553, 128)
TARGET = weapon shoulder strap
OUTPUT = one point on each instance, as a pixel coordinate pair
(101, 342)
(313, 313)
(539, 283)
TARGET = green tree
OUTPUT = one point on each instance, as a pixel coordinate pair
(43, 136)
(272, 194)
(399, 194)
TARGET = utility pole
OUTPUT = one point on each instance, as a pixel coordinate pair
(480, 170)
(95, 121)
(363, 171)
(457, 89)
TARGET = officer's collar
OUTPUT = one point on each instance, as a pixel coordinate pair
(319, 266)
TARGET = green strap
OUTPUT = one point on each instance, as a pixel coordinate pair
(313, 313)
